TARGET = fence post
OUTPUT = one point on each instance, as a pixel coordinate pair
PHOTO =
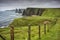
(44, 28)
(12, 32)
(29, 32)
(39, 32)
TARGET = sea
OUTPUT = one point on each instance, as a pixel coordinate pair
(6, 17)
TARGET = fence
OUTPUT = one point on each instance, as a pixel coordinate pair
(29, 32)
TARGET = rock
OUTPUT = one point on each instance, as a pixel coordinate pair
(33, 11)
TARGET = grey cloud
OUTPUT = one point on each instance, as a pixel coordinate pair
(25, 0)
(9, 4)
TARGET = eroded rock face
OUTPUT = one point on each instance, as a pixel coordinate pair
(33, 11)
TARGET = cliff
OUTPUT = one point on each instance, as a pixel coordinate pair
(33, 11)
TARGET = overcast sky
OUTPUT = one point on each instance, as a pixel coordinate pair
(12, 4)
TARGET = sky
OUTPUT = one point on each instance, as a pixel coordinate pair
(12, 4)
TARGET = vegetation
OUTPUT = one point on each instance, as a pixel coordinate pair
(34, 21)
(52, 12)
(21, 26)
(21, 33)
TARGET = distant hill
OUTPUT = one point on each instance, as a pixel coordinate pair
(42, 12)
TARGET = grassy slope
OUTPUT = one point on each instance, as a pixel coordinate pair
(34, 20)
(52, 12)
(21, 32)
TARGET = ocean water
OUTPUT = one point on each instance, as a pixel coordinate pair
(6, 17)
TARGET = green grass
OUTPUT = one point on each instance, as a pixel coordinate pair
(33, 20)
(21, 33)
(52, 12)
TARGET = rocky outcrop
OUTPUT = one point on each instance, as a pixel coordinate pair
(18, 11)
(33, 11)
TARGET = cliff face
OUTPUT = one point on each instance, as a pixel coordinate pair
(33, 11)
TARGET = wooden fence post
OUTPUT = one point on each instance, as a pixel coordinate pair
(44, 28)
(45, 23)
(29, 32)
(39, 32)
(12, 32)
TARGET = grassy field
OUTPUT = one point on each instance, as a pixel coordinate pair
(21, 33)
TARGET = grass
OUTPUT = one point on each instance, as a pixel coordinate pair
(33, 20)
(21, 33)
